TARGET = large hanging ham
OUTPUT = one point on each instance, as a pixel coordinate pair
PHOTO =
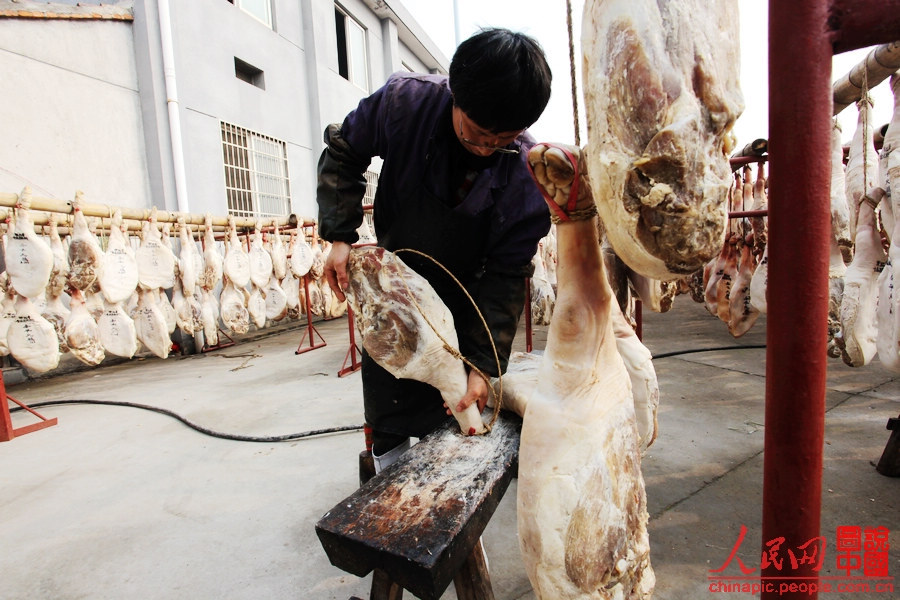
(212, 259)
(276, 300)
(256, 306)
(29, 259)
(190, 263)
(741, 312)
(60, 272)
(117, 331)
(57, 314)
(233, 309)
(119, 276)
(82, 333)
(32, 339)
(402, 322)
(85, 254)
(279, 253)
(184, 309)
(660, 136)
(858, 304)
(155, 260)
(209, 317)
(236, 266)
(301, 259)
(260, 260)
(840, 210)
(7, 316)
(150, 324)
(581, 505)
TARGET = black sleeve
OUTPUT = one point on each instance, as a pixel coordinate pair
(341, 187)
(500, 296)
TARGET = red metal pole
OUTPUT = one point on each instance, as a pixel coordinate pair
(857, 24)
(800, 53)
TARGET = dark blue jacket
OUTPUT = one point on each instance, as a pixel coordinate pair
(407, 123)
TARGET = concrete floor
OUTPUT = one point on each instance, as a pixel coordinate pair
(121, 503)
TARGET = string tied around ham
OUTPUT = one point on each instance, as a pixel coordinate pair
(498, 395)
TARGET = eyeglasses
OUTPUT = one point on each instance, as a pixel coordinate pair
(469, 142)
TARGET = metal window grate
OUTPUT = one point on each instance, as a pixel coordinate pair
(256, 173)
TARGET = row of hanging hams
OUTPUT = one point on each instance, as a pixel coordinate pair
(91, 299)
(864, 314)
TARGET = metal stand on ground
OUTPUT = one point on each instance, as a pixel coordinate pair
(7, 431)
(351, 353)
(310, 330)
(230, 342)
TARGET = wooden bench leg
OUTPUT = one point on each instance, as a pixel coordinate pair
(383, 588)
(473, 582)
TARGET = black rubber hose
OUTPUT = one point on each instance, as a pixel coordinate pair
(694, 350)
(201, 429)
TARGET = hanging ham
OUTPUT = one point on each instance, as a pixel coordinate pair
(117, 331)
(741, 313)
(840, 210)
(542, 294)
(212, 259)
(862, 162)
(32, 339)
(279, 253)
(57, 314)
(404, 327)
(155, 260)
(233, 309)
(190, 266)
(581, 504)
(256, 306)
(236, 266)
(150, 324)
(209, 317)
(660, 136)
(301, 259)
(82, 333)
(119, 276)
(858, 303)
(60, 272)
(29, 259)
(7, 316)
(276, 300)
(260, 260)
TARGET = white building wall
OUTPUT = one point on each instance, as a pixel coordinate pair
(71, 111)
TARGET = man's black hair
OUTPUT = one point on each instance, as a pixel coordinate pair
(500, 79)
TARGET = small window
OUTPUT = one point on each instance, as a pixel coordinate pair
(247, 72)
(353, 61)
(261, 9)
(256, 173)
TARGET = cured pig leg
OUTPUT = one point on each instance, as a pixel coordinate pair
(840, 210)
(660, 136)
(581, 506)
(836, 271)
(655, 294)
(858, 304)
(742, 313)
(760, 202)
(119, 276)
(260, 260)
(212, 260)
(116, 331)
(155, 260)
(279, 254)
(542, 294)
(32, 339)
(725, 283)
(29, 259)
(209, 317)
(236, 266)
(233, 310)
(862, 162)
(396, 309)
(190, 267)
(715, 273)
(301, 259)
(150, 324)
(82, 333)
(60, 272)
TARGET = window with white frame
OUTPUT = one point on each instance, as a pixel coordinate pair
(256, 173)
(353, 59)
(261, 9)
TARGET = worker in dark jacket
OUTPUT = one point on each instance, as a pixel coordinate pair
(454, 185)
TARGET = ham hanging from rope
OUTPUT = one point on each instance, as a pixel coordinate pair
(29, 259)
(155, 260)
(858, 304)
(119, 276)
(60, 272)
(660, 137)
(301, 255)
(402, 322)
(190, 263)
(279, 253)
(212, 259)
(32, 339)
(741, 312)
(82, 333)
(581, 505)
(260, 260)
(862, 162)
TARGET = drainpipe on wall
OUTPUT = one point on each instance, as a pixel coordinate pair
(168, 57)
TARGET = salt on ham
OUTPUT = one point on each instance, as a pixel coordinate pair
(32, 339)
(405, 326)
(119, 276)
(85, 254)
(29, 260)
(82, 332)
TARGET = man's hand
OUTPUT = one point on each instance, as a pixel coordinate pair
(476, 391)
(336, 268)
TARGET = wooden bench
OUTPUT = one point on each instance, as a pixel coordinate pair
(418, 523)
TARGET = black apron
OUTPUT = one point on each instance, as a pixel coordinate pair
(405, 407)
